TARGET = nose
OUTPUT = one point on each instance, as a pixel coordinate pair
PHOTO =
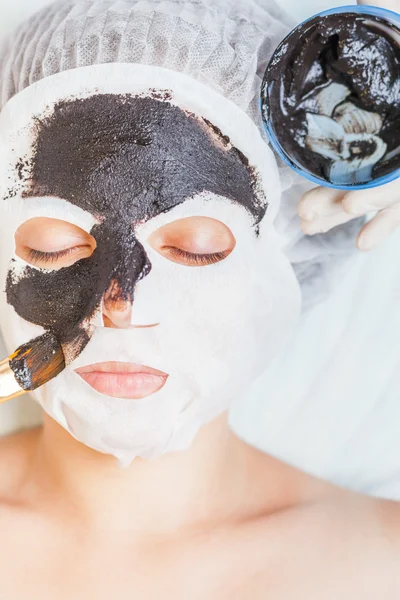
(117, 311)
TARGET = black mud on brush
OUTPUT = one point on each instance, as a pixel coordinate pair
(37, 362)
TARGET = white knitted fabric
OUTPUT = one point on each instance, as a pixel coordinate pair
(223, 43)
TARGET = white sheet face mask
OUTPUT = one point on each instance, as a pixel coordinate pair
(107, 149)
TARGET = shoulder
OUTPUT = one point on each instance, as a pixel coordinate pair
(351, 522)
(347, 543)
(314, 505)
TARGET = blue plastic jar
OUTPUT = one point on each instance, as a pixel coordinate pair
(391, 18)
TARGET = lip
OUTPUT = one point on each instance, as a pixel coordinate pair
(123, 380)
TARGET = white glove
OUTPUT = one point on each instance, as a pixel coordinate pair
(323, 208)
(389, 4)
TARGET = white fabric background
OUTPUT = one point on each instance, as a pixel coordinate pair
(330, 404)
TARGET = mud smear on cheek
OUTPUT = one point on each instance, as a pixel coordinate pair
(124, 159)
(64, 301)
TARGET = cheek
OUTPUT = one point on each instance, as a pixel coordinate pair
(215, 319)
(66, 300)
(55, 300)
(190, 297)
(14, 329)
(41, 299)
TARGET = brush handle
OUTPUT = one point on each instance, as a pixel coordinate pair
(9, 387)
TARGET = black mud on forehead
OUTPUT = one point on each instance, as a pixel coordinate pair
(124, 159)
(136, 157)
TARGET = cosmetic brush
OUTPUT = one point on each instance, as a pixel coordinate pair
(32, 365)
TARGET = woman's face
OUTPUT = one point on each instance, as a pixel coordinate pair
(138, 233)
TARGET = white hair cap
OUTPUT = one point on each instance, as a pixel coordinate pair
(225, 44)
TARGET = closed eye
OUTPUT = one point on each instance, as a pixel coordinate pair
(52, 244)
(194, 241)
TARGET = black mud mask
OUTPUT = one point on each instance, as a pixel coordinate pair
(123, 159)
(344, 67)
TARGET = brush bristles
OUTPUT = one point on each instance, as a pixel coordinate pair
(37, 362)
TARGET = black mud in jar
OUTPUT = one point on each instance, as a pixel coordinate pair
(330, 98)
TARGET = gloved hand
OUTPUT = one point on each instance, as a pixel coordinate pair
(389, 4)
(323, 208)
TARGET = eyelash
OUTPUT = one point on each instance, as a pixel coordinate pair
(198, 259)
(50, 257)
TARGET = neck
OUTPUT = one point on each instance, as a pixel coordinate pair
(218, 479)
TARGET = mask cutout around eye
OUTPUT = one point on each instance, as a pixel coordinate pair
(194, 241)
(52, 244)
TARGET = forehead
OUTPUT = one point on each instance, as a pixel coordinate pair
(130, 156)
